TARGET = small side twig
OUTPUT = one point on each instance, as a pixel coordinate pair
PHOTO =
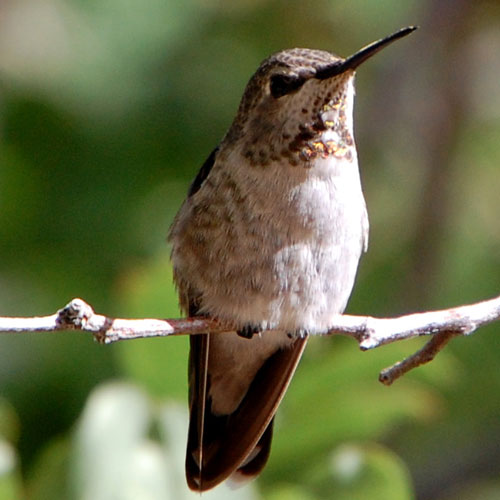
(368, 331)
(388, 375)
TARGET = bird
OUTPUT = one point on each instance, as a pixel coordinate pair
(268, 240)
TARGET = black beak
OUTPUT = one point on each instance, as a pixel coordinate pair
(352, 62)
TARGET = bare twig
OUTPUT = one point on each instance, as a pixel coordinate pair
(78, 315)
(368, 331)
(422, 356)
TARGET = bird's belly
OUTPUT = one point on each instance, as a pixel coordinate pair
(291, 265)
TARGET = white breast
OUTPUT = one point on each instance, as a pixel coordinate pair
(293, 261)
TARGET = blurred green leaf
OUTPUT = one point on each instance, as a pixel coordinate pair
(9, 422)
(49, 477)
(123, 448)
(369, 471)
(10, 478)
(289, 492)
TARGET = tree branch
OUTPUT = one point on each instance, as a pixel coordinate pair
(370, 332)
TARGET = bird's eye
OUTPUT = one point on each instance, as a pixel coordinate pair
(281, 85)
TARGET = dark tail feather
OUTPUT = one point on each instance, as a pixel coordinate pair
(198, 357)
(257, 459)
(229, 440)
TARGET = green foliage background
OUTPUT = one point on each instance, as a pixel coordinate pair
(107, 110)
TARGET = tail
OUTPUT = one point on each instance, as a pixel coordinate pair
(237, 444)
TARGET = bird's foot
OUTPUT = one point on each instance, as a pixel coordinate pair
(299, 333)
(248, 331)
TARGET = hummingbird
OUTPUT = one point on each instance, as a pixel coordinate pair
(268, 239)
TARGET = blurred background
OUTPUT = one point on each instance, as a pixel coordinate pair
(107, 110)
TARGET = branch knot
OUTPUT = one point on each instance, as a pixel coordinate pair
(74, 315)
